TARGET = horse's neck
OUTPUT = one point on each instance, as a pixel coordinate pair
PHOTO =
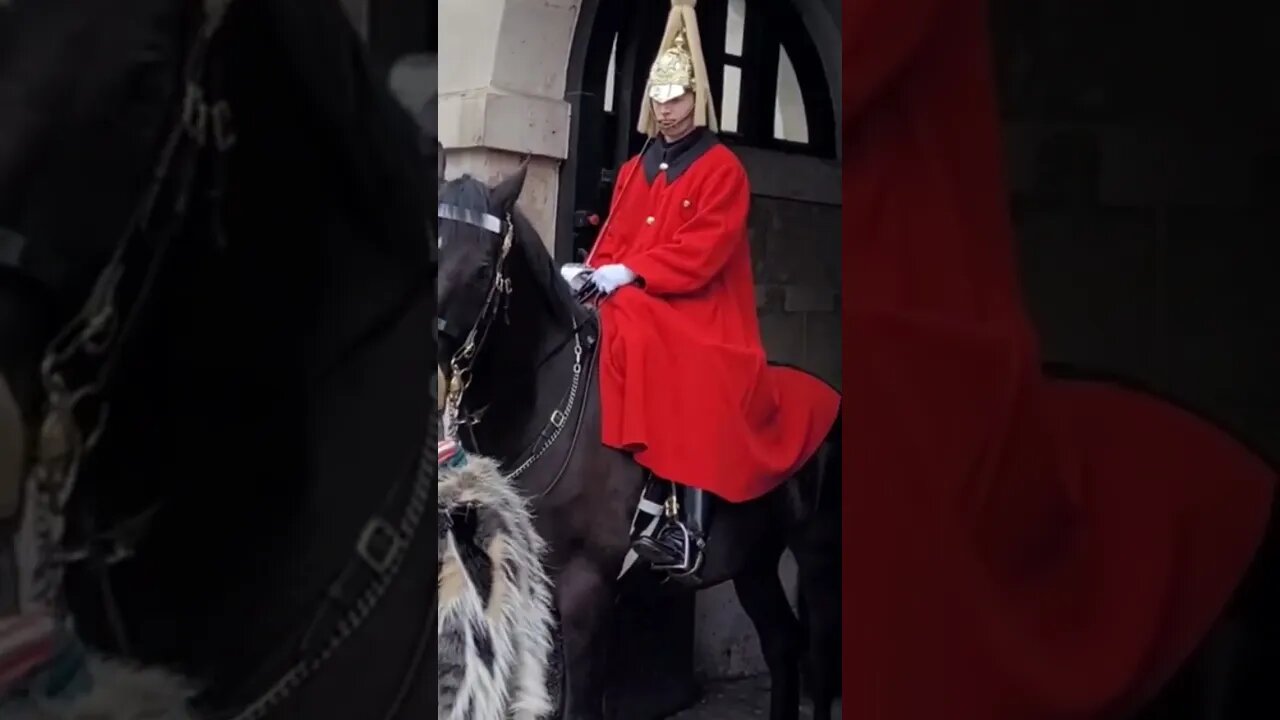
(528, 365)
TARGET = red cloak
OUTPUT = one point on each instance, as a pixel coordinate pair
(684, 379)
(1021, 547)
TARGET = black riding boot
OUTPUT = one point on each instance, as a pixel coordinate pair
(678, 546)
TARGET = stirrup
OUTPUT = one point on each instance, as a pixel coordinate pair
(693, 556)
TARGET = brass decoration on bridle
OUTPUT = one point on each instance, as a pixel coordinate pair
(462, 360)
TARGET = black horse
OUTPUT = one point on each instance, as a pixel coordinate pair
(229, 216)
(532, 402)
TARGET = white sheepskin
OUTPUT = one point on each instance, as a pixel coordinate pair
(120, 692)
(515, 619)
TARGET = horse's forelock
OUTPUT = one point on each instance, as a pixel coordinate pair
(469, 193)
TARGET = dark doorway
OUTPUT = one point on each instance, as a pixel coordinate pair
(764, 67)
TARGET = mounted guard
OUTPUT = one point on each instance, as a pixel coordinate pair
(685, 385)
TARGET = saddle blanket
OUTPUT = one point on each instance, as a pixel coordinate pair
(449, 453)
(27, 643)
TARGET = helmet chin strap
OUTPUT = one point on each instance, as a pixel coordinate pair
(12, 445)
(683, 119)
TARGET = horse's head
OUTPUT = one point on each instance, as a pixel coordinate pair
(87, 88)
(187, 265)
(476, 239)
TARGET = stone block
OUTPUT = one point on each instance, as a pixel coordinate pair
(757, 234)
(808, 298)
(726, 645)
(1067, 167)
(824, 346)
(1212, 170)
(783, 336)
(802, 243)
(1225, 322)
(1134, 167)
(769, 298)
(541, 186)
(781, 175)
(1095, 286)
(1021, 143)
(1266, 179)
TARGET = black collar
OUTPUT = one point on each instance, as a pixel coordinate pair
(674, 158)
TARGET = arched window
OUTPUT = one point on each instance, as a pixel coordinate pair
(730, 104)
(790, 123)
(769, 83)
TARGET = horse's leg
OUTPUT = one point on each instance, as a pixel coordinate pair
(761, 593)
(816, 546)
(820, 596)
(585, 599)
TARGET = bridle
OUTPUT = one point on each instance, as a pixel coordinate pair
(97, 334)
(462, 361)
(95, 338)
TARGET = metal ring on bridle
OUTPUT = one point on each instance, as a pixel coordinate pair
(462, 360)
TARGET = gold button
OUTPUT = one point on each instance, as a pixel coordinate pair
(686, 203)
(649, 220)
(663, 166)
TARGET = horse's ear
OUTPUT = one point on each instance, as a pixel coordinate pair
(508, 191)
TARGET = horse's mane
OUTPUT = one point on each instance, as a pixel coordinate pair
(544, 271)
(468, 192)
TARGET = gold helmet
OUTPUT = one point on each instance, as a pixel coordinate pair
(679, 68)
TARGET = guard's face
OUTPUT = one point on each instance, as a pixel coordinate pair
(675, 116)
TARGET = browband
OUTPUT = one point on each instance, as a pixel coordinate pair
(482, 220)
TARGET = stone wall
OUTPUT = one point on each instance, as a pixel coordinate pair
(1145, 172)
(795, 246)
(503, 66)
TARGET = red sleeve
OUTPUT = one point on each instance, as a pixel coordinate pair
(880, 38)
(699, 248)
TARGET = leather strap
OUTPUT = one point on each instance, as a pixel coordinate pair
(28, 259)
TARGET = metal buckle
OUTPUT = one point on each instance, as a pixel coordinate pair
(378, 529)
(224, 136)
(195, 113)
(558, 418)
(671, 507)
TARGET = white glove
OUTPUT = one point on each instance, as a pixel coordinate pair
(611, 277)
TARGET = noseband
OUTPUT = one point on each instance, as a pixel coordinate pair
(499, 291)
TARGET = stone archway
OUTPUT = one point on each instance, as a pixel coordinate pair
(502, 83)
(822, 19)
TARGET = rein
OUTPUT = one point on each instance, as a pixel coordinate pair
(97, 335)
(462, 362)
